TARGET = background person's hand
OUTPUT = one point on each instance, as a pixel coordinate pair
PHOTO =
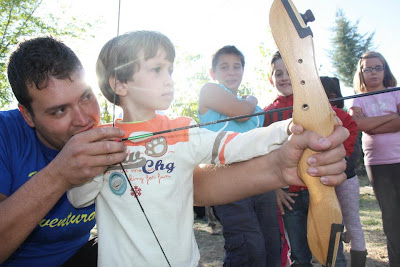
(283, 198)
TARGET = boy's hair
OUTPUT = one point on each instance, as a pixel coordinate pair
(37, 60)
(332, 89)
(274, 58)
(226, 50)
(121, 56)
(358, 82)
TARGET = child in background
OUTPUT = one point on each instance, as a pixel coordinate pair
(293, 201)
(160, 168)
(377, 116)
(294, 213)
(348, 193)
(279, 78)
(250, 226)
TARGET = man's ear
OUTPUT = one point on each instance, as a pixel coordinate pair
(212, 74)
(26, 115)
(121, 88)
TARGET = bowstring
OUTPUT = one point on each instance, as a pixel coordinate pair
(252, 115)
(113, 124)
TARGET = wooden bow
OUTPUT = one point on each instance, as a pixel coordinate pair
(312, 110)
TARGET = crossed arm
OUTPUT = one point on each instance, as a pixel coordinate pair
(213, 96)
(376, 125)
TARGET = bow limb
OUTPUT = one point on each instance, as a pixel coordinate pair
(312, 110)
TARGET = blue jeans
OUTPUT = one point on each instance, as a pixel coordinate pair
(251, 231)
(295, 221)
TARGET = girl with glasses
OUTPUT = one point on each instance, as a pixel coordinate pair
(377, 116)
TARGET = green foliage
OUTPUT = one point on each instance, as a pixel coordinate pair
(348, 46)
(106, 117)
(266, 55)
(193, 75)
(19, 20)
(244, 89)
(261, 86)
(186, 107)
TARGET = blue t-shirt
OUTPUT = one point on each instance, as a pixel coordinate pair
(64, 229)
(235, 126)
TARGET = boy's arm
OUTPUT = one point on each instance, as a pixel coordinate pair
(350, 125)
(235, 147)
(213, 96)
(225, 184)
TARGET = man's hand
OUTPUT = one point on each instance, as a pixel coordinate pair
(88, 154)
(329, 164)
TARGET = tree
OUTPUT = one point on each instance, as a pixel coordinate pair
(348, 46)
(20, 19)
(106, 117)
(189, 75)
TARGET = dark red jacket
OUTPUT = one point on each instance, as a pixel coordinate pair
(287, 101)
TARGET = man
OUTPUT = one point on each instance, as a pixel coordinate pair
(51, 144)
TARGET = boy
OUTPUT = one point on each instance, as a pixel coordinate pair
(250, 225)
(160, 168)
(293, 201)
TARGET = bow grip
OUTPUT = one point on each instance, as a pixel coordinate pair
(312, 110)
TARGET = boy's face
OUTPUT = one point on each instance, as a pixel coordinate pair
(62, 109)
(151, 88)
(229, 71)
(280, 78)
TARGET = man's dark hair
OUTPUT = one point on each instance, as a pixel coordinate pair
(226, 50)
(35, 61)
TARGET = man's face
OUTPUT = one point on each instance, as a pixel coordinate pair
(62, 109)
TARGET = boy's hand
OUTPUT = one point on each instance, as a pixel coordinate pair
(283, 198)
(329, 165)
(251, 99)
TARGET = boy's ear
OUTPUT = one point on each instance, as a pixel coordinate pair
(270, 80)
(121, 88)
(212, 74)
(26, 115)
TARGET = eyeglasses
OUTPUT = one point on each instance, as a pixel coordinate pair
(378, 68)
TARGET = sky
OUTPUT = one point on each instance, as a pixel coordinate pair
(202, 27)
